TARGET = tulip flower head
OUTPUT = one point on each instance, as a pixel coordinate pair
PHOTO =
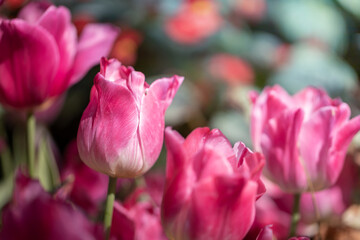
(41, 55)
(210, 188)
(121, 130)
(304, 137)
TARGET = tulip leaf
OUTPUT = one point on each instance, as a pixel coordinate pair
(6, 189)
(48, 172)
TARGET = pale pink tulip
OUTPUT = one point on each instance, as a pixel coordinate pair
(303, 137)
(121, 130)
(41, 55)
(210, 188)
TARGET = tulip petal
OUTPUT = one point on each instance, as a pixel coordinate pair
(25, 47)
(268, 105)
(57, 21)
(123, 225)
(165, 89)
(232, 203)
(210, 162)
(316, 140)
(280, 148)
(95, 42)
(32, 12)
(175, 155)
(108, 130)
(311, 99)
(266, 233)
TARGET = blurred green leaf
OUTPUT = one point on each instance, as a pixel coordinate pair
(353, 6)
(310, 19)
(48, 172)
(6, 189)
(233, 125)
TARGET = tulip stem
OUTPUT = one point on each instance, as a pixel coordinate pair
(109, 206)
(30, 130)
(295, 214)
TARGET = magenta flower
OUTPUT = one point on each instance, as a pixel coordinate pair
(41, 55)
(88, 187)
(121, 130)
(35, 214)
(303, 138)
(137, 219)
(210, 188)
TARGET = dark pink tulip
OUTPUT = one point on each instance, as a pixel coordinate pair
(89, 187)
(137, 219)
(35, 214)
(41, 55)
(303, 137)
(210, 188)
(121, 130)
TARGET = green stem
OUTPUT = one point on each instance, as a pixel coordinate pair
(30, 130)
(109, 206)
(295, 214)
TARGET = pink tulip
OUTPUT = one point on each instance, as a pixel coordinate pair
(303, 137)
(35, 214)
(210, 188)
(41, 55)
(121, 130)
(137, 219)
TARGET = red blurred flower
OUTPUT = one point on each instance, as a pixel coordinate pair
(126, 46)
(253, 10)
(195, 21)
(231, 69)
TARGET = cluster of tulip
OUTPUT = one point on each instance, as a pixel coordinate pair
(211, 189)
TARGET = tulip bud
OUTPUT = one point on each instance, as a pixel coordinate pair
(210, 189)
(121, 130)
(304, 137)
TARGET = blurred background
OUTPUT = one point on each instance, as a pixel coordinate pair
(224, 49)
